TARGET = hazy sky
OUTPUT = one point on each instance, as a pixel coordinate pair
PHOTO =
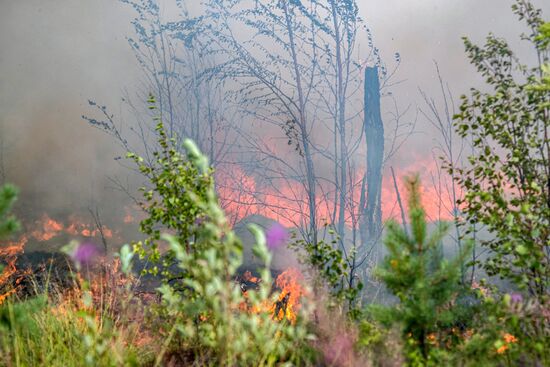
(56, 54)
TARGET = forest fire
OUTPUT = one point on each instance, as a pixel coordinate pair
(8, 257)
(76, 228)
(290, 285)
(47, 228)
(42, 230)
(242, 195)
(290, 282)
(280, 183)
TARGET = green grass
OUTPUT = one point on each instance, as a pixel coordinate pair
(37, 333)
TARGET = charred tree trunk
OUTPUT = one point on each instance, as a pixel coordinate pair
(371, 218)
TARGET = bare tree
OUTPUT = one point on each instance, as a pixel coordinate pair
(448, 152)
(275, 85)
(172, 64)
(245, 77)
(293, 67)
(94, 213)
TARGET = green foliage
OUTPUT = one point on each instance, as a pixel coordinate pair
(208, 316)
(36, 332)
(424, 283)
(126, 256)
(18, 317)
(8, 224)
(207, 308)
(507, 331)
(170, 201)
(544, 85)
(331, 268)
(382, 346)
(507, 185)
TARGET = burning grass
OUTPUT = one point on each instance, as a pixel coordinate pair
(40, 231)
(8, 256)
(96, 320)
(47, 228)
(100, 317)
(290, 287)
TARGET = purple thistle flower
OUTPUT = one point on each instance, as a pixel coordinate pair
(200, 220)
(276, 236)
(85, 253)
(516, 297)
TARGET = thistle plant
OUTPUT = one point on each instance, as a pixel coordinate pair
(223, 325)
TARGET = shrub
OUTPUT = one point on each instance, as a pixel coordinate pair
(8, 224)
(175, 184)
(209, 319)
(507, 330)
(332, 268)
(507, 185)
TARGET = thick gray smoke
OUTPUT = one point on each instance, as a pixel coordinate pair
(57, 54)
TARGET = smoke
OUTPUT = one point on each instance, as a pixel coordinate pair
(425, 31)
(56, 55)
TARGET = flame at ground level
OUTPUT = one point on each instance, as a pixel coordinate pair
(290, 283)
(41, 230)
(8, 257)
(47, 229)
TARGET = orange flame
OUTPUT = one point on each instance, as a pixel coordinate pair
(133, 214)
(8, 257)
(247, 276)
(286, 201)
(47, 228)
(287, 305)
(44, 229)
(77, 227)
(129, 218)
(290, 282)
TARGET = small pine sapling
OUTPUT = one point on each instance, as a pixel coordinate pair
(424, 282)
(8, 223)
